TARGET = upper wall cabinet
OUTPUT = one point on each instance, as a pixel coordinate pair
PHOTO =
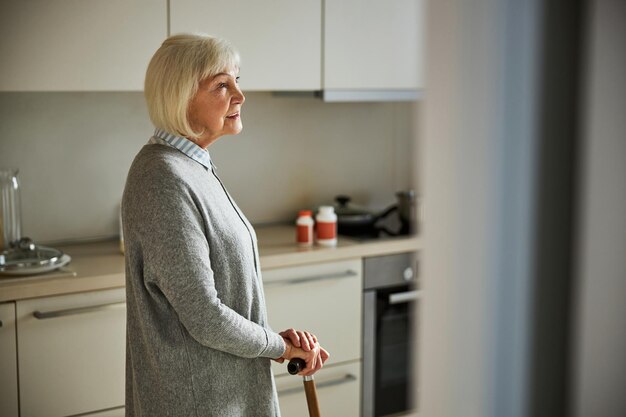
(350, 49)
(373, 44)
(78, 45)
(279, 40)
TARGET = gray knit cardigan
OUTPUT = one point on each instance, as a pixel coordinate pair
(198, 342)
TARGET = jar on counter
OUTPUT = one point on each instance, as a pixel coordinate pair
(10, 209)
(304, 228)
(326, 226)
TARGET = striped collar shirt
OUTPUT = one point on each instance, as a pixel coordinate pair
(184, 145)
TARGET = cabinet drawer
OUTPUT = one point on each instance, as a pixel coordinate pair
(71, 353)
(337, 391)
(324, 299)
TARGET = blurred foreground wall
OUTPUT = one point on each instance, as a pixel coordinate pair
(599, 337)
(524, 183)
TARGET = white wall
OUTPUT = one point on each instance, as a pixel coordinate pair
(74, 149)
(600, 336)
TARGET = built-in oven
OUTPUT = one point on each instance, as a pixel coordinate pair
(389, 347)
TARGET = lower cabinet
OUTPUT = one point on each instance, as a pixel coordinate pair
(325, 299)
(8, 361)
(71, 351)
(71, 354)
(338, 392)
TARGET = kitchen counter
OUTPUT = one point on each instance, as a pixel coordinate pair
(100, 265)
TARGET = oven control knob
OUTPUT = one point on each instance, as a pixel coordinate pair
(408, 274)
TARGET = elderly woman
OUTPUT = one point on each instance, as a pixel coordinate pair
(198, 341)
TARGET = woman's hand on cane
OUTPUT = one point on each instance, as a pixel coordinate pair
(303, 344)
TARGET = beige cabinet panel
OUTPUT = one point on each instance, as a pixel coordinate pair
(324, 299)
(113, 412)
(373, 44)
(279, 40)
(72, 353)
(79, 45)
(338, 392)
(8, 361)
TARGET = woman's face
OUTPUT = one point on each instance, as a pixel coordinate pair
(216, 107)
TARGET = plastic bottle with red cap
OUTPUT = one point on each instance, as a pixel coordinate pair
(304, 228)
(326, 226)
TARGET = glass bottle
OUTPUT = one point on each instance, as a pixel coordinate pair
(10, 208)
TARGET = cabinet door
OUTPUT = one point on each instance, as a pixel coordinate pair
(279, 40)
(113, 412)
(78, 45)
(373, 44)
(337, 391)
(71, 353)
(8, 361)
(324, 299)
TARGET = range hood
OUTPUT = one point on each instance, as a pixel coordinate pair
(356, 96)
(335, 96)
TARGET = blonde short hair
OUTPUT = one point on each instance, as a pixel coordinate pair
(174, 73)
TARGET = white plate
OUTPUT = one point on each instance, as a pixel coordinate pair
(64, 260)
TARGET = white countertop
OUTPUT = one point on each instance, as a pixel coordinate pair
(100, 265)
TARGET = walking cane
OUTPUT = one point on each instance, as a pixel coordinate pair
(295, 366)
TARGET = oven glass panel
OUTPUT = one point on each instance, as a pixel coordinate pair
(394, 351)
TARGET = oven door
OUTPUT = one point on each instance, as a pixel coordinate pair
(389, 350)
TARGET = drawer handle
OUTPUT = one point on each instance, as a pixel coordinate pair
(336, 275)
(91, 413)
(41, 315)
(338, 381)
(0, 323)
(404, 297)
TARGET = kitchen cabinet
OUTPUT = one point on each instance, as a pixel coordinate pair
(324, 299)
(366, 48)
(71, 354)
(337, 386)
(279, 41)
(8, 361)
(113, 412)
(79, 45)
(373, 45)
